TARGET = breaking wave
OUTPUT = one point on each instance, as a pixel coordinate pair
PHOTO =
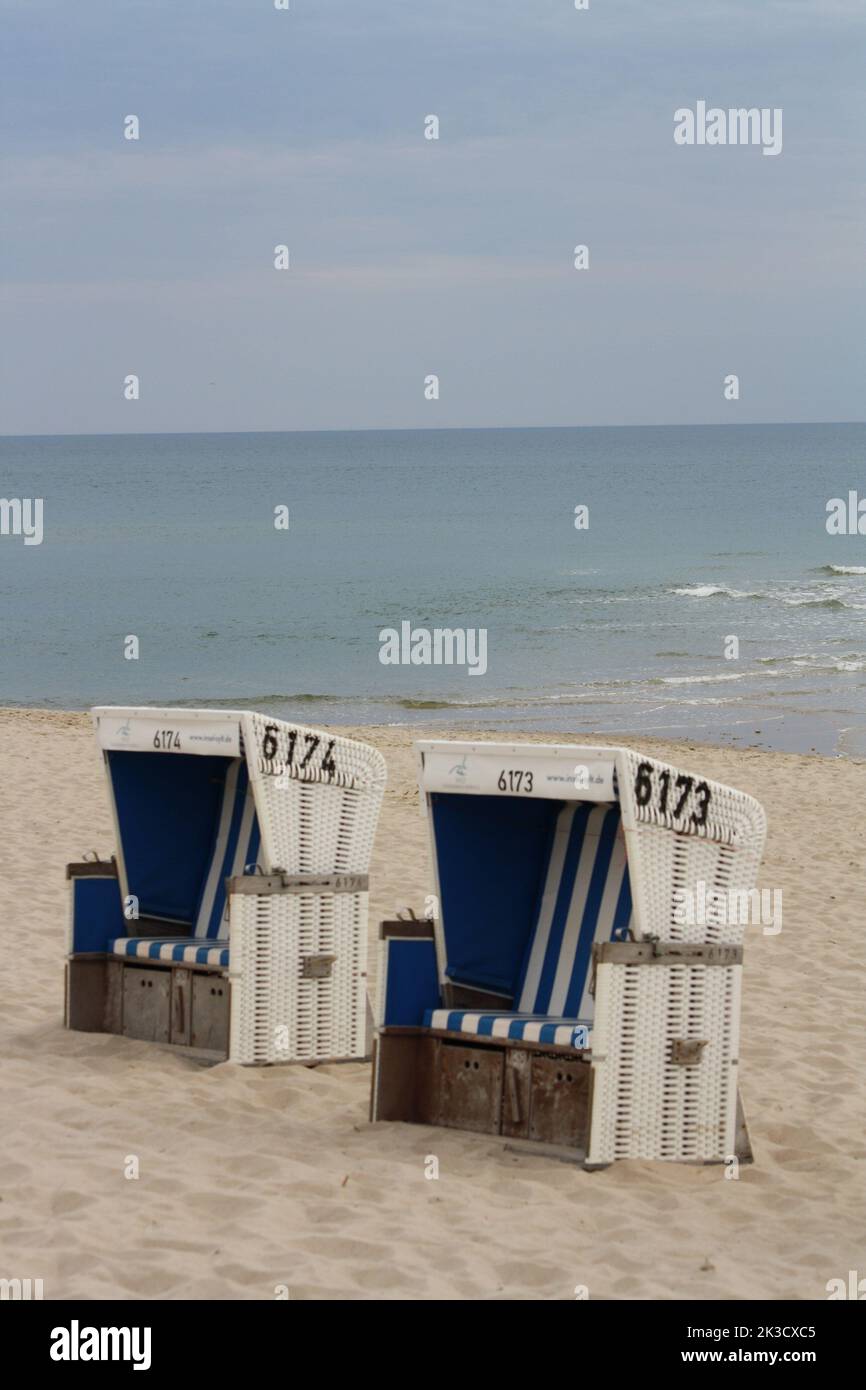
(713, 591)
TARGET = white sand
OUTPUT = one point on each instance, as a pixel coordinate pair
(253, 1178)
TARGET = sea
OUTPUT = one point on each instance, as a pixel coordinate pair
(671, 581)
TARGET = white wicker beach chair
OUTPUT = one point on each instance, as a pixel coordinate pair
(233, 917)
(562, 995)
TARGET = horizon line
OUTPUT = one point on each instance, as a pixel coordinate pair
(431, 429)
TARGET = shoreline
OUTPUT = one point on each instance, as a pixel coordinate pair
(426, 726)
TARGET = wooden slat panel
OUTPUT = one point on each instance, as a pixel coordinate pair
(146, 1004)
(113, 1022)
(560, 1096)
(181, 1007)
(210, 1013)
(471, 1088)
(85, 995)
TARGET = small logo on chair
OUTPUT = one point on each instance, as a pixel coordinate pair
(317, 967)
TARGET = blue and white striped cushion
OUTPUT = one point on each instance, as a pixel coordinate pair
(182, 950)
(561, 1032)
(586, 897)
(236, 846)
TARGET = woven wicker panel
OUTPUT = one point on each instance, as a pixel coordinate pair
(716, 839)
(279, 1013)
(644, 1104)
(318, 796)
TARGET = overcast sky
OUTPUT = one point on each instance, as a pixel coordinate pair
(409, 256)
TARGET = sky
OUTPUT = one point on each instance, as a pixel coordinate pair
(412, 257)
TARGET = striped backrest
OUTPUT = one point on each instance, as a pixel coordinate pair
(235, 846)
(585, 897)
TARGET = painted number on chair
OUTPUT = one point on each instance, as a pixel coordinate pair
(167, 740)
(672, 797)
(305, 752)
(512, 779)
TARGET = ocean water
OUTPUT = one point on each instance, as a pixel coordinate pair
(696, 534)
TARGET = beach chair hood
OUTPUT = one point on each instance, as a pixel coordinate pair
(204, 795)
(541, 849)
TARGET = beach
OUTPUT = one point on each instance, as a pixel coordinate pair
(256, 1183)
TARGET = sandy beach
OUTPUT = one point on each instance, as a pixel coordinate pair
(253, 1179)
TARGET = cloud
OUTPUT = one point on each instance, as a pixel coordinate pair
(305, 128)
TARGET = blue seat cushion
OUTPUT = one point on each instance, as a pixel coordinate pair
(561, 1032)
(182, 950)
